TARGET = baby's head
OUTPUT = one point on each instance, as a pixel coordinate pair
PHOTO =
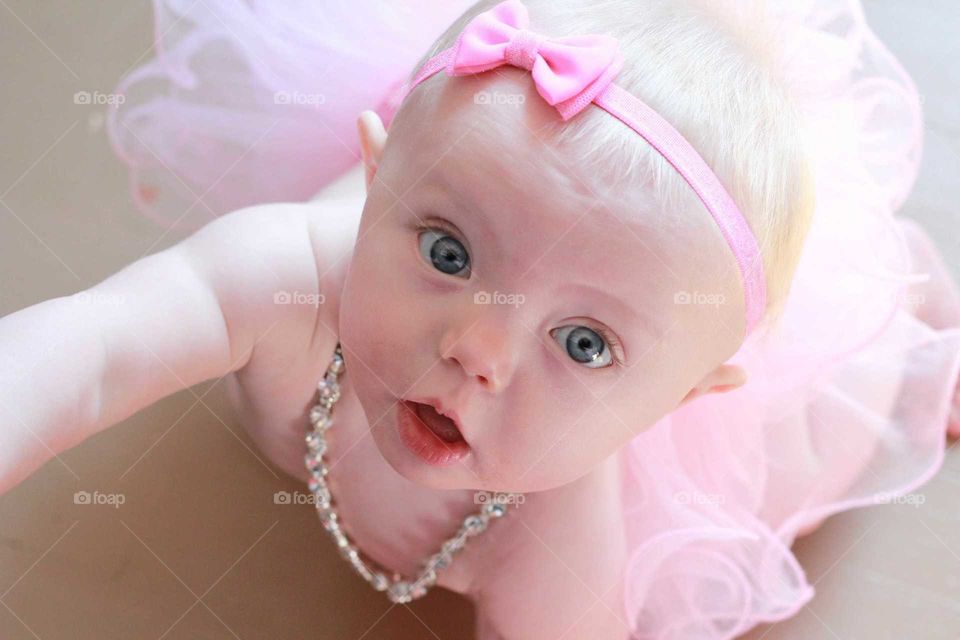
(558, 285)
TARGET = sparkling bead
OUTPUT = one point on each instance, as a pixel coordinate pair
(428, 578)
(473, 525)
(329, 391)
(453, 545)
(399, 592)
(361, 568)
(322, 496)
(316, 443)
(439, 560)
(417, 590)
(321, 499)
(320, 418)
(380, 582)
(313, 461)
(494, 510)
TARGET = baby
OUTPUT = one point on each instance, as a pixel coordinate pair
(507, 276)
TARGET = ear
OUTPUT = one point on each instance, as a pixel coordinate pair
(373, 138)
(726, 377)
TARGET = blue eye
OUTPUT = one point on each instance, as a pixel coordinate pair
(445, 253)
(584, 345)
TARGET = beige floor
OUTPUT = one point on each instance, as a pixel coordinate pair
(200, 549)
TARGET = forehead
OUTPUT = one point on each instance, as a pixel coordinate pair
(489, 129)
(480, 141)
(474, 147)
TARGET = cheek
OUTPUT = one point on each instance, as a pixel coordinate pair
(375, 314)
(594, 437)
(555, 429)
(552, 432)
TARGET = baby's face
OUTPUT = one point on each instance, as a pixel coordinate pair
(543, 306)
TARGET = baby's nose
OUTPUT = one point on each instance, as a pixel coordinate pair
(484, 349)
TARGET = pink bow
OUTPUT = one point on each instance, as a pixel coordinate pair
(568, 72)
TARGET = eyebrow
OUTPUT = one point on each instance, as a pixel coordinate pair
(647, 321)
(437, 181)
(441, 182)
(624, 310)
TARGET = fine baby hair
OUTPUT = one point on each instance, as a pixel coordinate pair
(799, 118)
(808, 121)
(713, 71)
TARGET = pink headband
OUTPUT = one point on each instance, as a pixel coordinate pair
(570, 73)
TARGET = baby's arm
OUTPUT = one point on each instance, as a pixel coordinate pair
(556, 587)
(73, 366)
(555, 566)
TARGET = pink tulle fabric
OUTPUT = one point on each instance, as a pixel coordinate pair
(848, 397)
(251, 101)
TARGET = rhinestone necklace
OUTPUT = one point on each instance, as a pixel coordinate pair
(398, 588)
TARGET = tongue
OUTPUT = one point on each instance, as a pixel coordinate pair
(442, 426)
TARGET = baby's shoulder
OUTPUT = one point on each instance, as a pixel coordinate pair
(288, 257)
(333, 222)
(334, 215)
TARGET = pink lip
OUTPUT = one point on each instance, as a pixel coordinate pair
(444, 410)
(423, 442)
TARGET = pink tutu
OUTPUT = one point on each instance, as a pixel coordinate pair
(250, 102)
(848, 398)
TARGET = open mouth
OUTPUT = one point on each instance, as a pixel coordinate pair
(442, 426)
(433, 437)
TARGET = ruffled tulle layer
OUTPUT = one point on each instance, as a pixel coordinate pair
(250, 101)
(847, 400)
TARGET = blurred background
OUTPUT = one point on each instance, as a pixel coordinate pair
(203, 538)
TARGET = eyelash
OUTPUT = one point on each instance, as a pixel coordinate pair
(612, 342)
(438, 225)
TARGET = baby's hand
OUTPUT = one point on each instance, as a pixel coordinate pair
(246, 297)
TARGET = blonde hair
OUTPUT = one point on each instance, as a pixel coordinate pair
(710, 68)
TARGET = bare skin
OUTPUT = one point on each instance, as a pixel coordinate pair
(517, 556)
(210, 310)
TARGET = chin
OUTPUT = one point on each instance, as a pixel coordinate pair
(402, 460)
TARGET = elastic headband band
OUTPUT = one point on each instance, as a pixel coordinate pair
(570, 73)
